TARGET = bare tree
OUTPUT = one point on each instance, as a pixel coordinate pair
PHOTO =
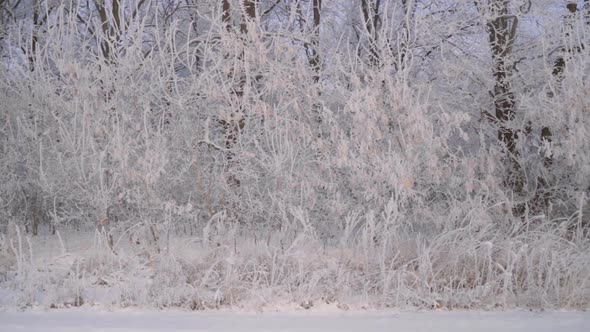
(558, 72)
(113, 19)
(501, 28)
(313, 52)
(370, 10)
(236, 121)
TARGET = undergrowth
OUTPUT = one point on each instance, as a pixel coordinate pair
(475, 266)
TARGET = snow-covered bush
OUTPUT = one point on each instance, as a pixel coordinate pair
(211, 155)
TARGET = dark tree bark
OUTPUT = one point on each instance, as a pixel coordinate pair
(542, 197)
(502, 33)
(112, 25)
(249, 15)
(558, 72)
(314, 53)
(312, 48)
(372, 17)
(38, 20)
(112, 22)
(236, 123)
(226, 14)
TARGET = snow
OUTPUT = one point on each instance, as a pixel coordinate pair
(439, 321)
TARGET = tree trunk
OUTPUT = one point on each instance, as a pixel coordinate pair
(232, 126)
(226, 14)
(542, 196)
(371, 18)
(502, 32)
(314, 58)
(249, 8)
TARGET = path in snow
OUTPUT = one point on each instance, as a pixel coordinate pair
(132, 321)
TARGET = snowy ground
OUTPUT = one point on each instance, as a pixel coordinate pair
(125, 321)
